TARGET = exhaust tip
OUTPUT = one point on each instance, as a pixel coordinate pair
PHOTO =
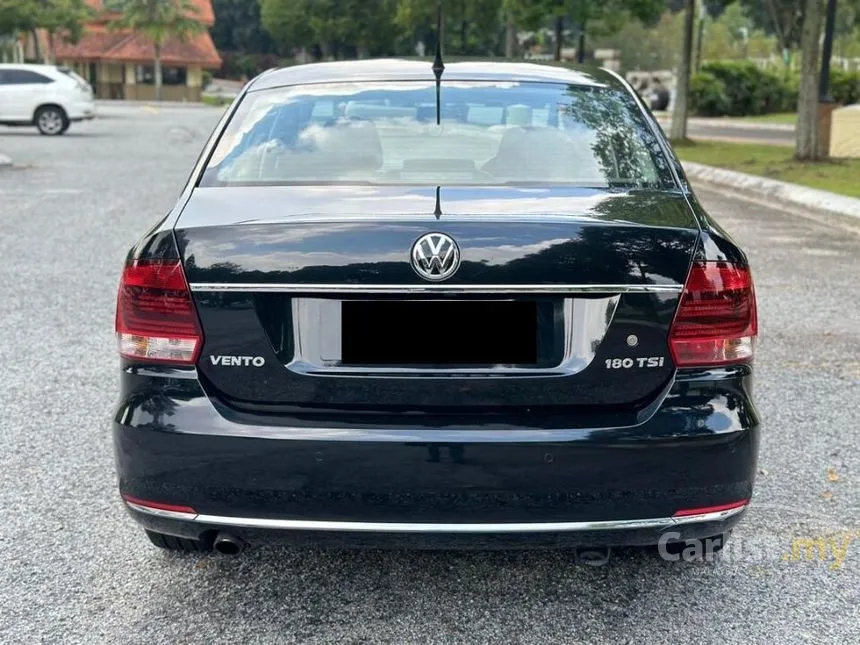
(593, 556)
(227, 544)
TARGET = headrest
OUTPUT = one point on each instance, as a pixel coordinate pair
(520, 115)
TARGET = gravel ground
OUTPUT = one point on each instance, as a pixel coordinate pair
(77, 570)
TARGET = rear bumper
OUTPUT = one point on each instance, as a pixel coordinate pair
(437, 486)
(82, 111)
(315, 533)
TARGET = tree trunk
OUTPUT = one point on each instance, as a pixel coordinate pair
(51, 58)
(37, 46)
(580, 48)
(158, 80)
(806, 143)
(464, 38)
(510, 36)
(682, 85)
(700, 39)
(559, 38)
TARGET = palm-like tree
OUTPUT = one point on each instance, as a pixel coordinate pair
(159, 20)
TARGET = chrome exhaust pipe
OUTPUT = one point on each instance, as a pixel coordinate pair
(593, 556)
(227, 544)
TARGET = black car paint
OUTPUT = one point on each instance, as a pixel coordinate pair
(690, 440)
(697, 448)
(549, 235)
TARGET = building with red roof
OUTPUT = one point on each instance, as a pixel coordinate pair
(119, 64)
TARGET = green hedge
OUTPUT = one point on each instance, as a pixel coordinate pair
(730, 88)
(708, 95)
(845, 86)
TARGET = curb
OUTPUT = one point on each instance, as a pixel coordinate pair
(5, 162)
(788, 194)
(733, 123)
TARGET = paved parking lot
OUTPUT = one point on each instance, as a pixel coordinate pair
(74, 569)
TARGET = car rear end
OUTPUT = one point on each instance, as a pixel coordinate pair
(583, 376)
(80, 102)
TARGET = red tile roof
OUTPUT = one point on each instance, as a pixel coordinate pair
(205, 13)
(128, 47)
(100, 43)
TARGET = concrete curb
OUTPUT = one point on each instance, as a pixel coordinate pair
(732, 123)
(820, 201)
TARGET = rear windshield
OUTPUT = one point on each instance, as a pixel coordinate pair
(489, 133)
(71, 73)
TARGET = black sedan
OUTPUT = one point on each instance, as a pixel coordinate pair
(464, 306)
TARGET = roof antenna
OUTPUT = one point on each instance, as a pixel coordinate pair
(438, 68)
(438, 65)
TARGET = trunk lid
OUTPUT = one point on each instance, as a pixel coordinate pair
(601, 271)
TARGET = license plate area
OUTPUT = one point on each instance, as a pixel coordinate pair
(569, 330)
(444, 334)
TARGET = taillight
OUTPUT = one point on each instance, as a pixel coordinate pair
(155, 316)
(716, 321)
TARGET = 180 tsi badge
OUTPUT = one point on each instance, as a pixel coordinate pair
(630, 363)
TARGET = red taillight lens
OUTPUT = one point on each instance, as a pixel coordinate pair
(155, 317)
(716, 321)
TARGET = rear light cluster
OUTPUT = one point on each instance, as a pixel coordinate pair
(716, 322)
(155, 316)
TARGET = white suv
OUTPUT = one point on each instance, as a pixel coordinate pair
(46, 96)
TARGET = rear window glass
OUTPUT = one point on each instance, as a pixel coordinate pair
(72, 74)
(488, 133)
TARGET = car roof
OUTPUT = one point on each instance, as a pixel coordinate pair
(33, 66)
(393, 69)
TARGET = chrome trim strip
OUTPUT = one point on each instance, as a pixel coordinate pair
(410, 527)
(437, 288)
(160, 512)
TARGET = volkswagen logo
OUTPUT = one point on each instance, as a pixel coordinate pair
(435, 257)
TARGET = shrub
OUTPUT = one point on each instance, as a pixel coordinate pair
(748, 89)
(730, 88)
(845, 86)
(708, 95)
(238, 66)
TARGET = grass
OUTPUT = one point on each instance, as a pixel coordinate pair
(776, 162)
(217, 101)
(788, 118)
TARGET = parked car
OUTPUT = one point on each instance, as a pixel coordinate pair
(483, 309)
(46, 96)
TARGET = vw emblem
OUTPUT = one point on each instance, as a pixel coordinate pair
(435, 257)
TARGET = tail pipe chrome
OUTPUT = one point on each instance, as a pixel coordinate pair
(227, 544)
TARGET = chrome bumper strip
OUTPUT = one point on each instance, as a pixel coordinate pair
(410, 527)
(437, 288)
(160, 512)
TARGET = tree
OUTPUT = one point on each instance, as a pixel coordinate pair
(159, 20)
(238, 27)
(592, 17)
(782, 18)
(682, 83)
(288, 22)
(17, 16)
(470, 27)
(62, 19)
(806, 143)
(335, 27)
